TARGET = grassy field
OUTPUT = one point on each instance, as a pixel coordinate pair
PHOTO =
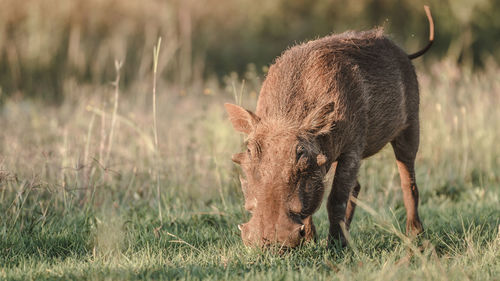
(86, 193)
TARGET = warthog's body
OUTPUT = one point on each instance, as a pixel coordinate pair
(369, 80)
(339, 99)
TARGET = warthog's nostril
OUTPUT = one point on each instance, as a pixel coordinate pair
(239, 227)
(302, 230)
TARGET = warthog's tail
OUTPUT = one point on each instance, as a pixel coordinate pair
(431, 35)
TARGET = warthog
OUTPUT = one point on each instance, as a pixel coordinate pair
(339, 99)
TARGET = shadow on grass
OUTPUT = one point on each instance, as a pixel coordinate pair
(56, 241)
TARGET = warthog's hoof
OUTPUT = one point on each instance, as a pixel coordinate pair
(414, 228)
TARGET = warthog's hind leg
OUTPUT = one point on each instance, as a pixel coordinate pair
(405, 148)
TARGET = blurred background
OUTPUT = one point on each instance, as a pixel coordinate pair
(78, 112)
(47, 46)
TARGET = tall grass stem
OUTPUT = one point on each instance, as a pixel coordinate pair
(156, 54)
(116, 84)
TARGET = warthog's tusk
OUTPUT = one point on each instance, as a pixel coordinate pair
(239, 227)
(302, 228)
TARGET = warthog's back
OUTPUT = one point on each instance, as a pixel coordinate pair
(371, 81)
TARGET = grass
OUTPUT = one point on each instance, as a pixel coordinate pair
(66, 213)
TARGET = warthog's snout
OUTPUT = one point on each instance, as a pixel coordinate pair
(283, 236)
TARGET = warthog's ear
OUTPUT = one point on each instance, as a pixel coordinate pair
(243, 120)
(320, 121)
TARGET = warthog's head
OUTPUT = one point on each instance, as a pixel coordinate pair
(284, 170)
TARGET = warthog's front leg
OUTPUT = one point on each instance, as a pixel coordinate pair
(351, 206)
(344, 181)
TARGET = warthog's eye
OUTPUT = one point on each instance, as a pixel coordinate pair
(249, 151)
(301, 151)
(297, 217)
